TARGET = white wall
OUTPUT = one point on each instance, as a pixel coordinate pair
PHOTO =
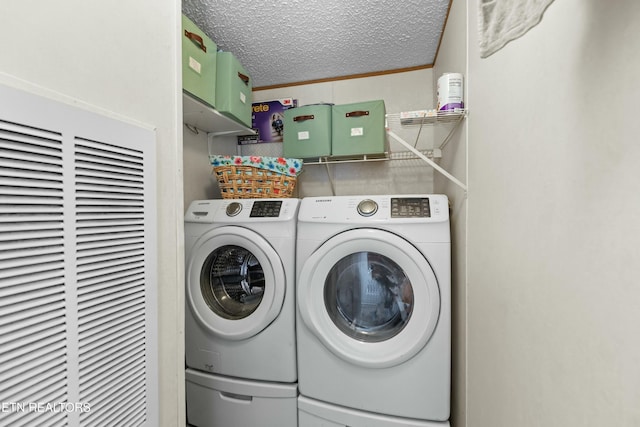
(119, 59)
(452, 57)
(554, 203)
(401, 92)
(199, 183)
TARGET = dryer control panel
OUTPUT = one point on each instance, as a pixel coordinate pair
(410, 207)
(413, 208)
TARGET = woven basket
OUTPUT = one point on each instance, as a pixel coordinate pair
(248, 182)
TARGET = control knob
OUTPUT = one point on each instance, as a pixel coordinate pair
(367, 207)
(234, 208)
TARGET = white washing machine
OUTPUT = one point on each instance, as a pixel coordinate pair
(374, 305)
(240, 303)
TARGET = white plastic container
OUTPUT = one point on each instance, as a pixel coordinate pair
(215, 400)
(450, 91)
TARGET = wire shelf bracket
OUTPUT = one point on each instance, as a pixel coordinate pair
(433, 164)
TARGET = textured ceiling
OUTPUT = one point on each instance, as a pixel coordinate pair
(292, 41)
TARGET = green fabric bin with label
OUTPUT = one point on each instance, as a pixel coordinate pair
(233, 89)
(307, 131)
(358, 128)
(199, 55)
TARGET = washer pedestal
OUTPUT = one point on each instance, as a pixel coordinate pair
(214, 401)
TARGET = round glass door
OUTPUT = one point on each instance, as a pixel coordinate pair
(368, 296)
(235, 282)
(232, 282)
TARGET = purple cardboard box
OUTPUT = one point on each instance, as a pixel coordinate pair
(268, 117)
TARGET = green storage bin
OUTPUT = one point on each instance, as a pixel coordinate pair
(307, 131)
(199, 55)
(358, 128)
(233, 89)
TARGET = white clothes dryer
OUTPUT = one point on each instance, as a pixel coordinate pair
(240, 303)
(374, 304)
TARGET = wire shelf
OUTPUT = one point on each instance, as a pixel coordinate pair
(396, 155)
(426, 117)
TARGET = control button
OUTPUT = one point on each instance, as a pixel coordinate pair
(367, 207)
(234, 208)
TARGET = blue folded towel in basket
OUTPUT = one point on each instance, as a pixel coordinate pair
(281, 165)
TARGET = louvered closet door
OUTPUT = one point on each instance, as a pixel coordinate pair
(78, 338)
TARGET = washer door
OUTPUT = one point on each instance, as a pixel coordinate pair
(370, 297)
(235, 282)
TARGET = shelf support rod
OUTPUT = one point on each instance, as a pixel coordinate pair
(428, 160)
(451, 131)
(333, 189)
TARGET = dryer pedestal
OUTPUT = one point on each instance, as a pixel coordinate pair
(314, 413)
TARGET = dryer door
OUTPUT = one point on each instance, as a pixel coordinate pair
(370, 297)
(235, 282)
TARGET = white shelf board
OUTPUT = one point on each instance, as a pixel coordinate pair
(208, 119)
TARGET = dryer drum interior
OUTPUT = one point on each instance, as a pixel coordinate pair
(232, 282)
(368, 296)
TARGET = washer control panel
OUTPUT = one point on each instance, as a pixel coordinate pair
(410, 207)
(266, 209)
(238, 211)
